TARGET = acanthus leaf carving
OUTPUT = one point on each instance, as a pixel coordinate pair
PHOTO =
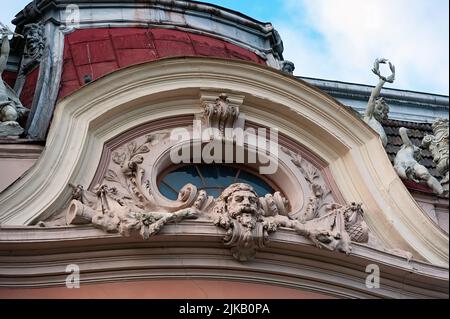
(319, 191)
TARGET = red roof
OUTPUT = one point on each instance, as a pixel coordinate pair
(95, 52)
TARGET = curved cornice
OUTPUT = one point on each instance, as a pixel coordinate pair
(288, 261)
(85, 120)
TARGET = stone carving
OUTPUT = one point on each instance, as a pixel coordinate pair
(239, 211)
(125, 201)
(11, 110)
(124, 204)
(288, 67)
(34, 46)
(407, 166)
(319, 192)
(377, 109)
(438, 146)
(335, 230)
(129, 206)
(220, 115)
(105, 209)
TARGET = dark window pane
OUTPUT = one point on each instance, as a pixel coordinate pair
(210, 174)
(214, 179)
(261, 187)
(167, 192)
(182, 176)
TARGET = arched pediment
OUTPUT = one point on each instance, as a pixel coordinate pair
(339, 143)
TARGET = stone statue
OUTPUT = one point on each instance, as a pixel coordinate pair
(438, 146)
(34, 46)
(407, 166)
(10, 107)
(288, 67)
(377, 109)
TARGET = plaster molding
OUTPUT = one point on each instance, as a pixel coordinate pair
(84, 121)
(288, 261)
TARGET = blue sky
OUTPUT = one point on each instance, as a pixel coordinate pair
(339, 39)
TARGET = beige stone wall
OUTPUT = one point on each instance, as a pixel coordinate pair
(15, 160)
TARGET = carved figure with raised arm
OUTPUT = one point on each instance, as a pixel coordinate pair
(407, 166)
(377, 109)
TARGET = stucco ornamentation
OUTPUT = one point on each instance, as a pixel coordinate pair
(125, 202)
(377, 109)
(11, 110)
(406, 164)
(320, 194)
(130, 206)
(438, 146)
(239, 211)
(220, 115)
(105, 209)
(34, 45)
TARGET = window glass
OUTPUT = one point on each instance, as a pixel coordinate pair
(211, 178)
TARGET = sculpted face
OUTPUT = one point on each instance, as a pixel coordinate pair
(381, 110)
(242, 202)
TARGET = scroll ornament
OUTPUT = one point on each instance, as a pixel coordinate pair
(406, 164)
(124, 204)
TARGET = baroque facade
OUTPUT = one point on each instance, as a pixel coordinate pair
(168, 144)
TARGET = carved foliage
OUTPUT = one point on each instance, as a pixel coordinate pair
(129, 206)
(319, 191)
(248, 224)
(126, 203)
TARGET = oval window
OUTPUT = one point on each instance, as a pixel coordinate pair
(211, 178)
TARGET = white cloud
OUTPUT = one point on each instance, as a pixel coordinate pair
(413, 34)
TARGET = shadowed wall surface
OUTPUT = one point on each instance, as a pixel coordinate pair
(165, 289)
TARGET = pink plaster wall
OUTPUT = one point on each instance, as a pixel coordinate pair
(15, 160)
(165, 289)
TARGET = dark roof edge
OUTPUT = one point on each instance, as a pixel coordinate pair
(36, 7)
(351, 89)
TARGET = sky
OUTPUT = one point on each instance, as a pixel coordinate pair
(340, 39)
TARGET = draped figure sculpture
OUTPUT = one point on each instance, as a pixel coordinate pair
(10, 107)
